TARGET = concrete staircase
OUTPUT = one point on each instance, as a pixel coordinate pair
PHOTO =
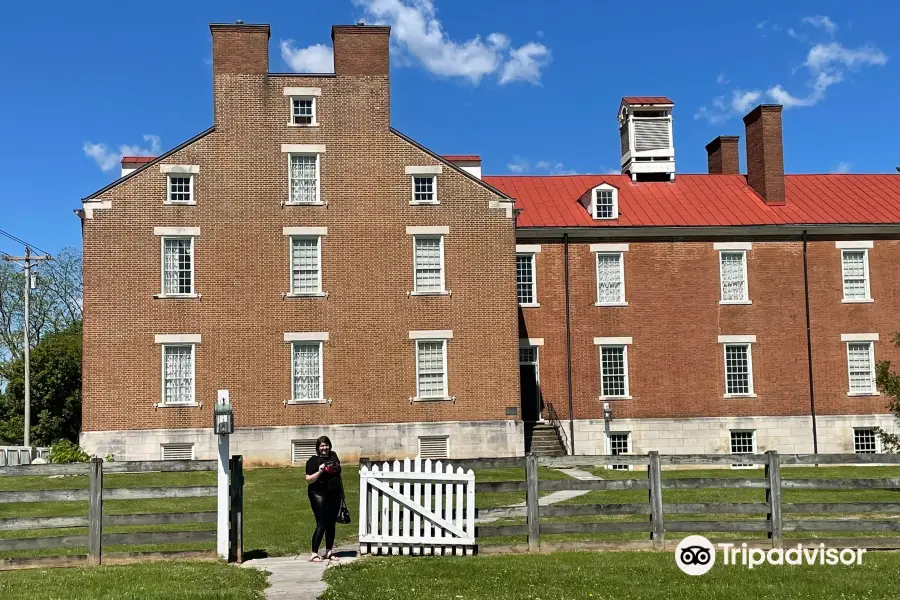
(543, 440)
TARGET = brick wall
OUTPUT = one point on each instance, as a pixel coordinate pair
(242, 269)
(676, 365)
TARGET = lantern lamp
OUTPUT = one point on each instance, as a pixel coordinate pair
(223, 416)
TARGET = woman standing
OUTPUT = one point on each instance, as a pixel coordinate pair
(323, 473)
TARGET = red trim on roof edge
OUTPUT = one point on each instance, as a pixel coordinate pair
(127, 160)
(461, 157)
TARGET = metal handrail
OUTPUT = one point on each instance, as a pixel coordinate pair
(557, 424)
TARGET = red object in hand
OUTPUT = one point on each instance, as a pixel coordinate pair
(330, 469)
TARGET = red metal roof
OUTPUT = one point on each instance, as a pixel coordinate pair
(705, 200)
(646, 100)
(461, 157)
(132, 160)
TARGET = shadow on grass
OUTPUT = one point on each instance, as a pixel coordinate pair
(253, 554)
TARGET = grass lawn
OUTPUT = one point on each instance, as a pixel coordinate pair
(149, 581)
(604, 576)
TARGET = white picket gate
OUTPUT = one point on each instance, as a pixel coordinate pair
(410, 508)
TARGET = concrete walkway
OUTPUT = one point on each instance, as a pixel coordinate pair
(560, 496)
(294, 577)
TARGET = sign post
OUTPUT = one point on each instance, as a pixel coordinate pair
(223, 426)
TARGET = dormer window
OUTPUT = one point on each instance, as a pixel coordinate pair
(605, 202)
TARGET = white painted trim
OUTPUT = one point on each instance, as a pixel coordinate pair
(737, 339)
(176, 338)
(528, 342)
(732, 246)
(854, 245)
(528, 248)
(612, 341)
(90, 207)
(306, 336)
(302, 91)
(303, 148)
(309, 231)
(427, 170)
(507, 205)
(194, 169)
(609, 247)
(177, 231)
(431, 334)
(859, 337)
(438, 230)
(868, 297)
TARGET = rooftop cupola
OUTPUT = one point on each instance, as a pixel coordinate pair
(645, 132)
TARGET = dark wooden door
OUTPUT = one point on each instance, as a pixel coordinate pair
(530, 399)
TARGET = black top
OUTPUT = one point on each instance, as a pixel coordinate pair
(330, 479)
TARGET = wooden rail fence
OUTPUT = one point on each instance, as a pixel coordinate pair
(93, 536)
(771, 515)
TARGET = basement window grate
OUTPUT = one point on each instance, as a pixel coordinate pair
(434, 446)
(177, 451)
(302, 450)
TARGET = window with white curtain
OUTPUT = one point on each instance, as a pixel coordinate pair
(610, 278)
(306, 265)
(431, 369)
(855, 274)
(178, 265)
(307, 371)
(861, 368)
(178, 374)
(429, 263)
(304, 178)
(733, 275)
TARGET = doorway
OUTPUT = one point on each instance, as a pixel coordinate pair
(530, 380)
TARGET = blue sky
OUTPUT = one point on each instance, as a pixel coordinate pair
(532, 86)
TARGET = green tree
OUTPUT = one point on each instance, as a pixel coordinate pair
(889, 383)
(55, 391)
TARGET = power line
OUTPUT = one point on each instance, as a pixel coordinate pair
(21, 241)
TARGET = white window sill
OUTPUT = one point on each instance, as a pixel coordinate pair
(302, 124)
(305, 295)
(176, 296)
(529, 304)
(171, 203)
(441, 293)
(863, 394)
(607, 398)
(424, 203)
(316, 203)
(314, 401)
(177, 405)
(735, 302)
(857, 301)
(610, 304)
(433, 399)
(732, 396)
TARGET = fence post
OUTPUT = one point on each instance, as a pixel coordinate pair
(95, 512)
(654, 474)
(773, 498)
(236, 510)
(531, 500)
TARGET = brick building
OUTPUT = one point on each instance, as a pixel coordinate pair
(655, 310)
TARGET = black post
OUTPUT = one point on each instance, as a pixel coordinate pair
(236, 509)
(812, 395)
(568, 343)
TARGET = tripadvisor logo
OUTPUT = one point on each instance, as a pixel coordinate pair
(696, 555)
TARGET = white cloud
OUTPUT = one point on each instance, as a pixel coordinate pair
(723, 109)
(108, 160)
(518, 165)
(722, 79)
(541, 167)
(822, 22)
(842, 167)
(317, 58)
(525, 64)
(742, 100)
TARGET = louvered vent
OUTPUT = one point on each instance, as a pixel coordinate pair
(651, 135)
(623, 135)
(177, 452)
(302, 450)
(434, 446)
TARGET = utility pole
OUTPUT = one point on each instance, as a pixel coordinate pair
(27, 259)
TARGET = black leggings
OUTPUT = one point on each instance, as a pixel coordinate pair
(325, 508)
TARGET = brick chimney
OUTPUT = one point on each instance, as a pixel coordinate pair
(240, 49)
(361, 50)
(765, 152)
(722, 155)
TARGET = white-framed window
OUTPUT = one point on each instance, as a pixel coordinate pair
(177, 265)
(619, 443)
(614, 371)
(424, 189)
(855, 275)
(178, 374)
(526, 283)
(743, 441)
(861, 367)
(865, 441)
(306, 264)
(303, 176)
(605, 202)
(738, 370)
(431, 369)
(180, 187)
(428, 260)
(733, 276)
(303, 110)
(306, 371)
(610, 278)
